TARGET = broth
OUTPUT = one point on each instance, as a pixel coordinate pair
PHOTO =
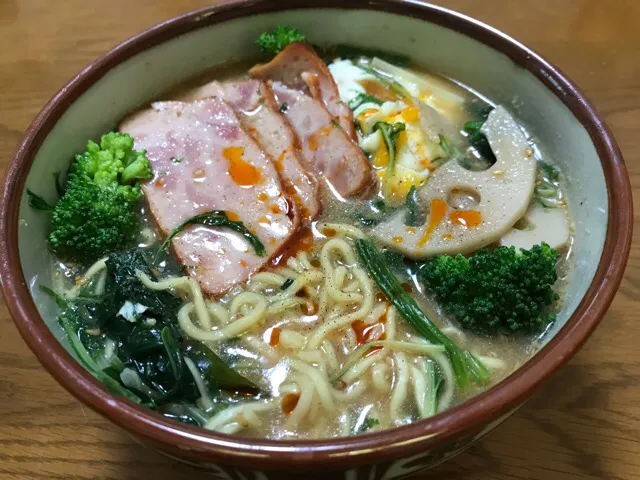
(334, 357)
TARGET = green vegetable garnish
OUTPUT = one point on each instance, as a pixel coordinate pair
(216, 218)
(547, 187)
(69, 323)
(39, 203)
(149, 347)
(275, 41)
(390, 134)
(415, 215)
(465, 366)
(361, 98)
(286, 284)
(96, 214)
(368, 424)
(216, 372)
(435, 380)
(549, 171)
(496, 291)
(478, 140)
(373, 213)
(446, 147)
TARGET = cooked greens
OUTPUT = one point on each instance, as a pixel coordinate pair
(467, 368)
(362, 98)
(96, 214)
(547, 189)
(275, 41)
(390, 133)
(39, 203)
(368, 424)
(373, 212)
(142, 355)
(477, 139)
(217, 218)
(496, 291)
(415, 214)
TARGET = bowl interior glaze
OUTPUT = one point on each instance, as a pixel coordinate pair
(139, 70)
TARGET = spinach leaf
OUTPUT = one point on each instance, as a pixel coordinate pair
(142, 356)
(216, 372)
(548, 171)
(446, 147)
(390, 133)
(142, 341)
(479, 141)
(70, 324)
(361, 98)
(368, 424)
(123, 284)
(165, 371)
(286, 284)
(38, 203)
(479, 109)
(373, 213)
(547, 189)
(172, 347)
(217, 218)
(415, 215)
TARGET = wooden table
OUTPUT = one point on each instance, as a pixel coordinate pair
(584, 424)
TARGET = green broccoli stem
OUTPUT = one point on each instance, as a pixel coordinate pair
(465, 366)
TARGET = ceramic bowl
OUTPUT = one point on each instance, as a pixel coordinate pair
(132, 74)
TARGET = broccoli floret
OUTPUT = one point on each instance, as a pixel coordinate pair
(95, 215)
(496, 291)
(281, 36)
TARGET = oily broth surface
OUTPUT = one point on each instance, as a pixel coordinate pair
(512, 351)
(348, 415)
(270, 371)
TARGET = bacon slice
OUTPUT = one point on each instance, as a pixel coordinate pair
(203, 160)
(259, 115)
(299, 67)
(326, 148)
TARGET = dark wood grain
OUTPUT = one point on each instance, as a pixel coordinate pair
(584, 424)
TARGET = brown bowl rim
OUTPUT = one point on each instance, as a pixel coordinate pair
(350, 451)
